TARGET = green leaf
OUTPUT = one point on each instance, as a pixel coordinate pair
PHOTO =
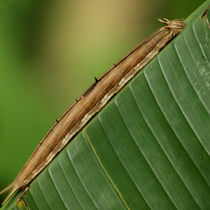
(149, 147)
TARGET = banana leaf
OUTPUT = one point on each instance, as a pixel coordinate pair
(149, 147)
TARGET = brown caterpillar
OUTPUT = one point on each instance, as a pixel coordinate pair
(92, 101)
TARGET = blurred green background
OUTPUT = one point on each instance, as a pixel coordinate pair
(50, 52)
